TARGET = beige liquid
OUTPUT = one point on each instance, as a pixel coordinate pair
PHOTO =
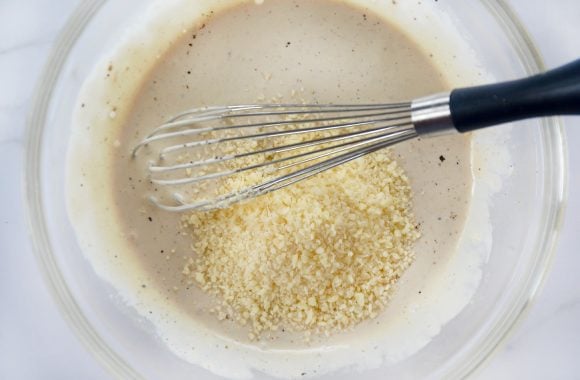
(325, 51)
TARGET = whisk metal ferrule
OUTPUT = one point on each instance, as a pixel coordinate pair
(431, 115)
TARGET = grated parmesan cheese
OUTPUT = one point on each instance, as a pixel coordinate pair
(317, 257)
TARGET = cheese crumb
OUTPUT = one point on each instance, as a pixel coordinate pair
(317, 257)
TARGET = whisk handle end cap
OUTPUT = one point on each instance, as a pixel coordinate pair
(556, 92)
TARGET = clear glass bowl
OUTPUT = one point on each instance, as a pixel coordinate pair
(526, 214)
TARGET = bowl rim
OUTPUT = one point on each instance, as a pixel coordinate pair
(553, 208)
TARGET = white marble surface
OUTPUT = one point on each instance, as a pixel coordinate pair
(35, 342)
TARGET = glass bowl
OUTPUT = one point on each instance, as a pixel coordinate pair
(526, 214)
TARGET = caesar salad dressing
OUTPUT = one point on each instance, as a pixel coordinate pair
(238, 52)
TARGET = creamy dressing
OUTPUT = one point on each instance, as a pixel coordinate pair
(227, 53)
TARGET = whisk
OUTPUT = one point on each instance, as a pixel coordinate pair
(202, 153)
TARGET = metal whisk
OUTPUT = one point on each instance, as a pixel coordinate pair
(203, 154)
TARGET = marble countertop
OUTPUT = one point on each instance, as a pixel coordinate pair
(35, 341)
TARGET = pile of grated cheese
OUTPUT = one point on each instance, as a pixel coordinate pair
(319, 256)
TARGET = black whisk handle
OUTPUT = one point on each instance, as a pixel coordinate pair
(556, 92)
